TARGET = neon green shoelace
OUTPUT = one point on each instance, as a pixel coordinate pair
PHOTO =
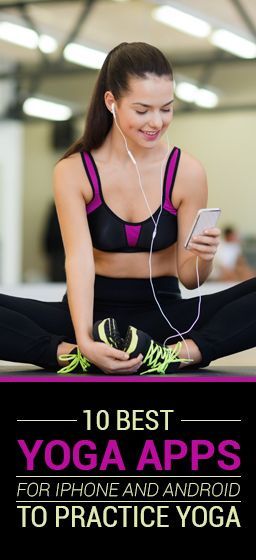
(159, 357)
(75, 360)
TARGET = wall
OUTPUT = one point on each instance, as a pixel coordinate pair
(225, 144)
(11, 191)
(38, 167)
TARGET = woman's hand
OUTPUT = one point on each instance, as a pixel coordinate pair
(110, 360)
(205, 245)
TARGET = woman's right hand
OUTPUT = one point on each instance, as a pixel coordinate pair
(110, 360)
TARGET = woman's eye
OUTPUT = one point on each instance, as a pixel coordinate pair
(144, 112)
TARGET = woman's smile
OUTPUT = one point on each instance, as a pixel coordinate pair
(150, 135)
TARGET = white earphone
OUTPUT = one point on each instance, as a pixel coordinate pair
(154, 235)
(128, 151)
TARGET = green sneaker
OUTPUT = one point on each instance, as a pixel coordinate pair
(107, 331)
(157, 358)
(78, 362)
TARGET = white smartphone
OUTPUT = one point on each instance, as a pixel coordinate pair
(206, 218)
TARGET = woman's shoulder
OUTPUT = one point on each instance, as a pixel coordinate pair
(69, 162)
(190, 166)
(68, 169)
(191, 179)
(191, 162)
(70, 172)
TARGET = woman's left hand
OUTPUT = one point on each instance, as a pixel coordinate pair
(205, 245)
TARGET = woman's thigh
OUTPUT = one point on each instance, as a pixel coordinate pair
(54, 317)
(181, 313)
(212, 303)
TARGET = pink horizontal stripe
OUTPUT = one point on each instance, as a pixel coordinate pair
(130, 379)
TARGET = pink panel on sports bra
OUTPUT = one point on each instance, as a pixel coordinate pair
(132, 234)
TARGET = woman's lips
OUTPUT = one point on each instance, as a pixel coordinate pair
(149, 136)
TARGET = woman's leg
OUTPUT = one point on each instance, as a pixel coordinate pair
(227, 324)
(31, 330)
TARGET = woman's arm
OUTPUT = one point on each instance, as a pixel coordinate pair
(80, 271)
(194, 194)
(79, 261)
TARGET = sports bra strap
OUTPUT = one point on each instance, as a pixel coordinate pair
(170, 175)
(92, 175)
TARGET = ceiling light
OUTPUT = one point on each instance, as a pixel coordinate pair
(186, 92)
(46, 109)
(233, 43)
(18, 35)
(190, 93)
(182, 21)
(85, 56)
(26, 37)
(206, 98)
(47, 44)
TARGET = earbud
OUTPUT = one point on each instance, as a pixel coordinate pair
(113, 109)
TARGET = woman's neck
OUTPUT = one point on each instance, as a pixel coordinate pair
(114, 149)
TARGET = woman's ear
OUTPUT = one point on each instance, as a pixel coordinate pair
(109, 100)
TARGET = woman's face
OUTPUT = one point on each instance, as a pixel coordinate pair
(145, 112)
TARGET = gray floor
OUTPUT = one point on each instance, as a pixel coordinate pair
(213, 371)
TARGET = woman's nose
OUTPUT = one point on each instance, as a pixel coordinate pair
(155, 120)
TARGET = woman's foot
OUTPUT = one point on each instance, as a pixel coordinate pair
(73, 360)
(194, 352)
(156, 357)
(107, 331)
(64, 348)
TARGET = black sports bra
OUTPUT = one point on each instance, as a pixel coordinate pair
(111, 233)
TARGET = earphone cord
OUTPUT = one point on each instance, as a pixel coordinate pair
(135, 163)
(150, 261)
(152, 243)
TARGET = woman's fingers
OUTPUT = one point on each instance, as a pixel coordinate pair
(112, 360)
(205, 240)
(125, 367)
(202, 248)
(205, 245)
(115, 354)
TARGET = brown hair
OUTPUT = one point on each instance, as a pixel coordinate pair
(122, 62)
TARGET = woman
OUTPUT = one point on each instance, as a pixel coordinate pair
(116, 170)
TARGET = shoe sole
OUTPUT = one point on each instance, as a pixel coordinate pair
(131, 340)
(107, 331)
(136, 342)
